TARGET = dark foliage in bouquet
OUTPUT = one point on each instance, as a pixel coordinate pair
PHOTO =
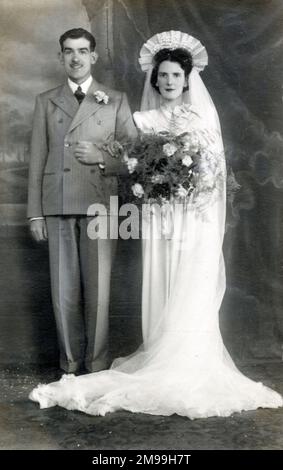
(164, 166)
(157, 172)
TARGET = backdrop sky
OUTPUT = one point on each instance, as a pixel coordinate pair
(28, 56)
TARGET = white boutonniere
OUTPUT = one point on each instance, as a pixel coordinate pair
(101, 97)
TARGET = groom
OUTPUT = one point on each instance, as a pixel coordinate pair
(72, 167)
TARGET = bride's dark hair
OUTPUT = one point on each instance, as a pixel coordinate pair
(181, 56)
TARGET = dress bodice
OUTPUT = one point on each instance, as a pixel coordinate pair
(175, 120)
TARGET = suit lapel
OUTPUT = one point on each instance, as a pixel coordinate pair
(88, 106)
(66, 101)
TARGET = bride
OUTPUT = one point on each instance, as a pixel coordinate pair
(183, 366)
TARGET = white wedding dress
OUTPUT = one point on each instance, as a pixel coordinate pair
(183, 366)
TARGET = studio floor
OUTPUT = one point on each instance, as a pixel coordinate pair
(24, 426)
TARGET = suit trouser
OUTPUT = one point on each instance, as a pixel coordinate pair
(80, 270)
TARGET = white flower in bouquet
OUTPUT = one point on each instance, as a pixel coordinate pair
(138, 190)
(181, 191)
(131, 164)
(187, 160)
(192, 145)
(157, 179)
(169, 149)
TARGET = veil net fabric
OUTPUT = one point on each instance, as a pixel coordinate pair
(182, 366)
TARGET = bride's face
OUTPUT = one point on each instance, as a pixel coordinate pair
(171, 80)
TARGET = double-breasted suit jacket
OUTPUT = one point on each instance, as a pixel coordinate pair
(62, 189)
(58, 182)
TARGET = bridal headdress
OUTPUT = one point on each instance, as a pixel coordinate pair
(173, 40)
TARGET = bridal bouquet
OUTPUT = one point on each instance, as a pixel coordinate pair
(164, 167)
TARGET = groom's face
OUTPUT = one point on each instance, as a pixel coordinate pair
(77, 59)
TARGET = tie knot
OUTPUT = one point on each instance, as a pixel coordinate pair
(79, 94)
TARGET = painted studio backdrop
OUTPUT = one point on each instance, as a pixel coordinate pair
(244, 76)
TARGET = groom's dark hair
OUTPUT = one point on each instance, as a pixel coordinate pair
(77, 33)
(179, 55)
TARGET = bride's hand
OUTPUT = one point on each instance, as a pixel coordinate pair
(114, 148)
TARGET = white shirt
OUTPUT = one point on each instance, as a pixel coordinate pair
(84, 86)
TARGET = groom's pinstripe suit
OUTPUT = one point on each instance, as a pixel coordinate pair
(61, 189)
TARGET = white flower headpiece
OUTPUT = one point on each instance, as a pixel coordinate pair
(173, 40)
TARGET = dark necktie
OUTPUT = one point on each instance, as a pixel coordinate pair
(79, 94)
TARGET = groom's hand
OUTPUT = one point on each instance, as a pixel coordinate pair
(88, 153)
(38, 230)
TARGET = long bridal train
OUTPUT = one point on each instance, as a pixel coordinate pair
(183, 367)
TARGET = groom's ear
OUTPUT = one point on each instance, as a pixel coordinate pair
(94, 57)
